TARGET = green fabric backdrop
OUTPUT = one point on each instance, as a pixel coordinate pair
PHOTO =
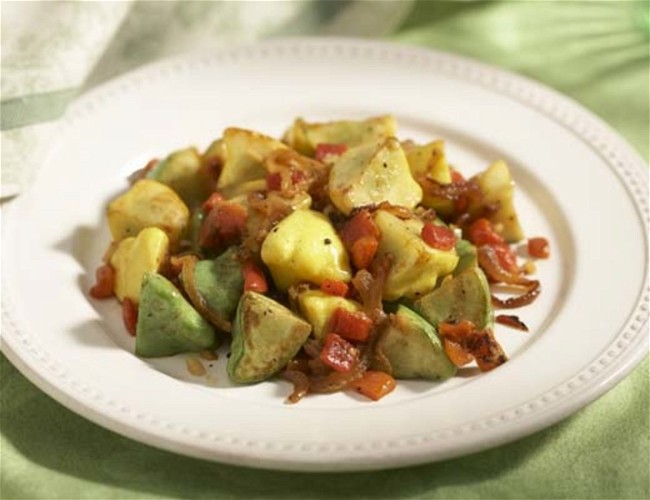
(597, 53)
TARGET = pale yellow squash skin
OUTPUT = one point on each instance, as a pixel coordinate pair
(304, 137)
(373, 173)
(429, 160)
(136, 256)
(148, 203)
(302, 247)
(245, 151)
(498, 187)
(317, 308)
(416, 266)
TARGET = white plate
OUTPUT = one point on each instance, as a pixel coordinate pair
(579, 185)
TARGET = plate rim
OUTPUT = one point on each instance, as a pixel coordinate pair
(611, 147)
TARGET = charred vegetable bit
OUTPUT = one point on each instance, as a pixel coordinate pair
(337, 258)
(511, 321)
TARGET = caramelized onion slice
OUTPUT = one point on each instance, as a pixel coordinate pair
(489, 262)
(300, 383)
(533, 291)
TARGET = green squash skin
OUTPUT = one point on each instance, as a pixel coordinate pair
(182, 171)
(167, 323)
(467, 256)
(413, 349)
(462, 297)
(266, 335)
(220, 282)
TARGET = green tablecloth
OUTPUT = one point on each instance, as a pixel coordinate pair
(596, 52)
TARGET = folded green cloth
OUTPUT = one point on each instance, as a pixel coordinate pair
(596, 52)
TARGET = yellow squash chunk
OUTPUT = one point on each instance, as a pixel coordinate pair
(304, 137)
(498, 187)
(373, 173)
(317, 308)
(148, 203)
(136, 256)
(304, 246)
(416, 266)
(245, 152)
(182, 171)
(430, 161)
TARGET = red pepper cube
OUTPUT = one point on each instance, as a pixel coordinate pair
(338, 353)
(105, 282)
(506, 257)
(539, 248)
(481, 232)
(210, 203)
(323, 150)
(334, 287)
(350, 325)
(274, 181)
(254, 279)
(130, 316)
(438, 237)
(374, 384)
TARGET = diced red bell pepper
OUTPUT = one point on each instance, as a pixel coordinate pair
(456, 176)
(212, 200)
(506, 257)
(539, 248)
(105, 282)
(481, 232)
(360, 236)
(297, 176)
(455, 352)
(334, 287)
(274, 181)
(223, 225)
(338, 353)
(324, 149)
(254, 279)
(439, 237)
(456, 331)
(130, 316)
(363, 251)
(350, 325)
(374, 384)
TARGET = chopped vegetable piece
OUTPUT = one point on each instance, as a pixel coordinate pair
(223, 225)
(274, 181)
(130, 315)
(538, 248)
(338, 353)
(506, 257)
(351, 325)
(211, 202)
(148, 203)
(408, 347)
(105, 282)
(323, 150)
(254, 279)
(360, 236)
(456, 354)
(167, 323)
(266, 335)
(304, 246)
(334, 287)
(511, 321)
(456, 331)
(317, 307)
(439, 237)
(481, 232)
(374, 384)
